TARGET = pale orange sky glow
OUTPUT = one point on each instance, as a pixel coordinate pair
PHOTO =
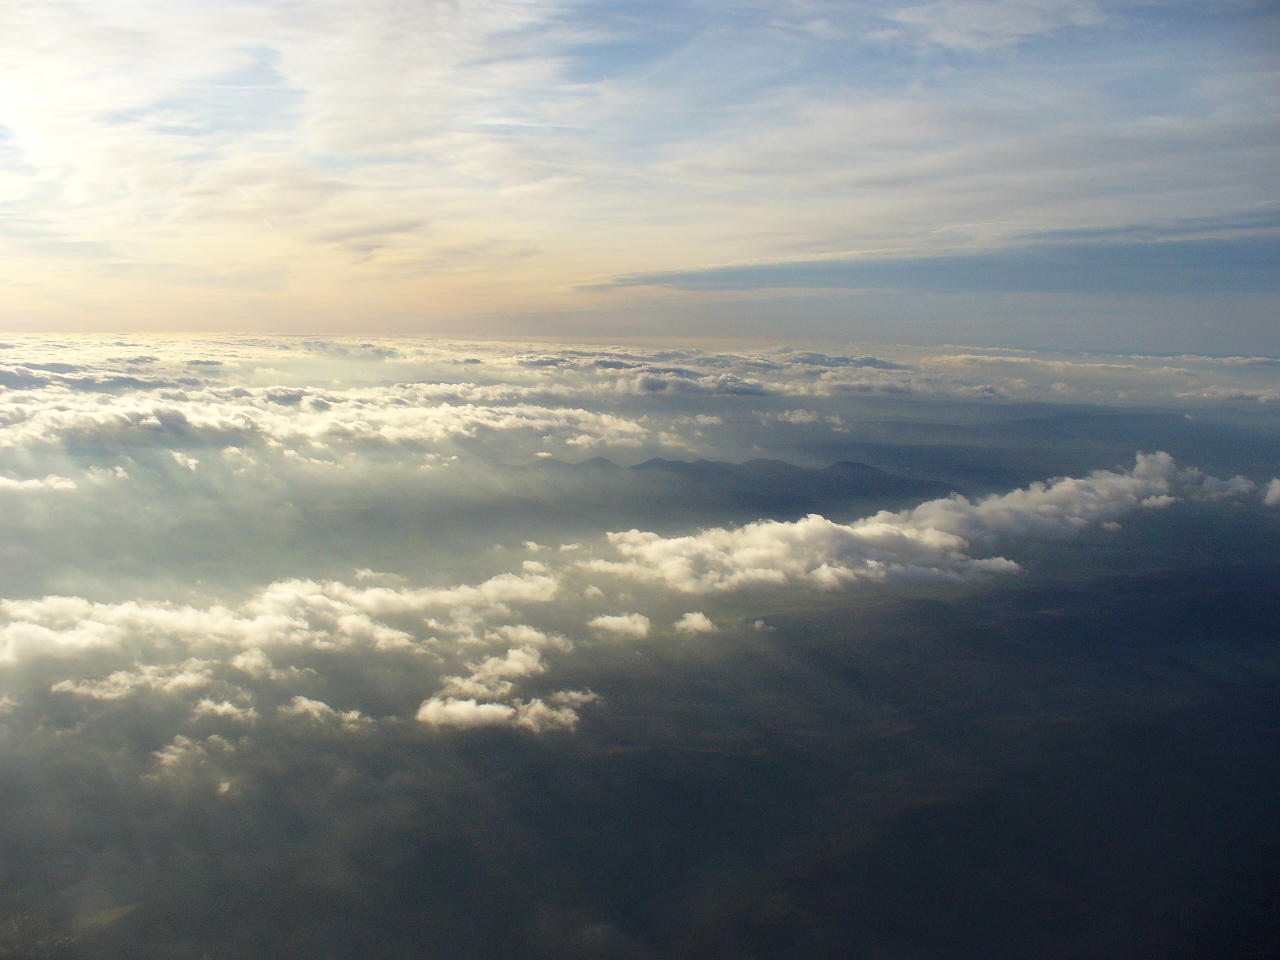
(1038, 172)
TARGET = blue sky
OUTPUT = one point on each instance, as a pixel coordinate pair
(1046, 172)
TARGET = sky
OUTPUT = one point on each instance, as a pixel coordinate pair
(628, 480)
(1069, 174)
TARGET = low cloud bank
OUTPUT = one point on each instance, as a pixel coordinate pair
(326, 659)
(934, 541)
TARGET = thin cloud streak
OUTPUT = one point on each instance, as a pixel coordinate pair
(1238, 265)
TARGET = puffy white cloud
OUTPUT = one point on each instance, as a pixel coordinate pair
(771, 553)
(492, 677)
(1219, 489)
(287, 653)
(538, 716)
(50, 482)
(535, 715)
(165, 678)
(21, 638)
(518, 662)
(317, 711)
(630, 625)
(935, 540)
(255, 664)
(695, 622)
(494, 593)
(1050, 509)
(185, 756)
(573, 698)
(1271, 496)
(402, 414)
(225, 710)
(450, 712)
(289, 613)
(527, 637)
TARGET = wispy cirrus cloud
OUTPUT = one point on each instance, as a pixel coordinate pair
(196, 165)
(975, 27)
(1084, 268)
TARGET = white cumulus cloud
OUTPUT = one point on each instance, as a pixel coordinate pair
(695, 622)
(936, 540)
(631, 625)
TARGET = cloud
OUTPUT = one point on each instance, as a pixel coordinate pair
(488, 654)
(404, 414)
(982, 26)
(633, 626)
(281, 635)
(934, 541)
(389, 495)
(50, 482)
(286, 654)
(332, 455)
(492, 678)
(317, 711)
(225, 710)
(695, 622)
(1271, 497)
(183, 753)
(534, 715)
(1184, 266)
(275, 610)
(1233, 394)
(450, 712)
(186, 161)
(1213, 488)
(538, 716)
(164, 678)
(1265, 221)
(771, 554)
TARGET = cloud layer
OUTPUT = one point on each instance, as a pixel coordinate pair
(338, 659)
(325, 635)
(240, 538)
